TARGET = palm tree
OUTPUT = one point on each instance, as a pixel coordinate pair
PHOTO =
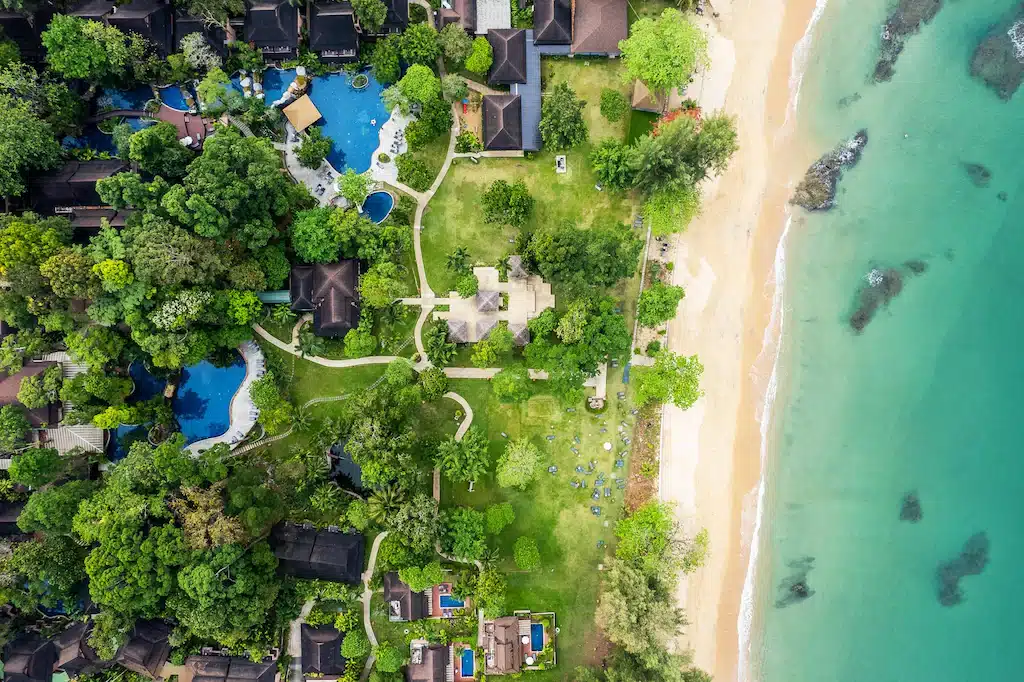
(310, 344)
(302, 420)
(490, 557)
(384, 502)
(282, 314)
(456, 261)
(325, 497)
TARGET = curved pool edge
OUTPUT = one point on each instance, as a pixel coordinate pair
(239, 411)
(394, 200)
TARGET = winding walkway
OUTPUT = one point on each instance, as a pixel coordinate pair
(467, 410)
(365, 599)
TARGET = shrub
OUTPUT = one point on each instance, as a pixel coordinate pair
(467, 142)
(413, 172)
(526, 554)
(467, 285)
(480, 57)
(498, 516)
(614, 105)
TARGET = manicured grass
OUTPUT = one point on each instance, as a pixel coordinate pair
(639, 9)
(557, 516)
(640, 123)
(433, 153)
(588, 77)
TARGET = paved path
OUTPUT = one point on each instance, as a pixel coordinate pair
(481, 88)
(466, 409)
(485, 373)
(367, 595)
(295, 642)
(324, 362)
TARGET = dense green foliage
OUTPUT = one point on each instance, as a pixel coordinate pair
(371, 14)
(663, 52)
(517, 466)
(526, 554)
(455, 45)
(561, 119)
(614, 104)
(658, 304)
(582, 259)
(673, 378)
(480, 56)
(509, 204)
(420, 45)
(314, 148)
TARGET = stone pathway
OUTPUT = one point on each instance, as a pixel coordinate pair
(295, 642)
(466, 409)
(365, 599)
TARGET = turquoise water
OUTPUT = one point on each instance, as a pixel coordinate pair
(378, 205)
(927, 398)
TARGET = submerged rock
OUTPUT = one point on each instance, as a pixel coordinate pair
(979, 175)
(972, 560)
(881, 285)
(848, 100)
(817, 191)
(905, 21)
(793, 588)
(999, 59)
(1002, 196)
(911, 509)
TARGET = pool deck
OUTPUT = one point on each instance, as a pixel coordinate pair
(242, 411)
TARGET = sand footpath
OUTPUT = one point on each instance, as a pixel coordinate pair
(711, 453)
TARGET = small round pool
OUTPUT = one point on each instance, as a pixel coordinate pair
(378, 205)
(172, 97)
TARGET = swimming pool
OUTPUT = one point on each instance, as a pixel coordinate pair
(378, 205)
(145, 386)
(536, 637)
(172, 97)
(467, 662)
(450, 602)
(202, 403)
(134, 99)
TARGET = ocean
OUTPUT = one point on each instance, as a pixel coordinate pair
(926, 400)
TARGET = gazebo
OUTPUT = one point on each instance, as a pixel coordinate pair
(302, 113)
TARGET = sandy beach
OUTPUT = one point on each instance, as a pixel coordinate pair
(711, 453)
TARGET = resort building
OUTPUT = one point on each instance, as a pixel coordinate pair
(72, 186)
(9, 513)
(321, 652)
(331, 292)
(580, 27)
(492, 15)
(395, 21)
(462, 12)
(146, 649)
(151, 19)
(273, 27)
(502, 122)
(429, 662)
(404, 605)
(304, 552)
(74, 655)
(552, 22)
(94, 10)
(523, 641)
(40, 417)
(26, 30)
(645, 100)
(29, 658)
(230, 669)
(509, 48)
(516, 301)
(332, 31)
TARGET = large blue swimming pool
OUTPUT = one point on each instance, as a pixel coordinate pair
(202, 403)
(378, 205)
(536, 637)
(467, 663)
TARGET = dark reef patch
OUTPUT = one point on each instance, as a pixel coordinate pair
(881, 285)
(794, 589)
(905, 21)
(972, 561)
(910, 510)
(817, 191)
(848, 100)
(1002, 196)
(998, 60)
(979, 174)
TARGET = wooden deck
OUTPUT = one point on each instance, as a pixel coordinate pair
(188, 125)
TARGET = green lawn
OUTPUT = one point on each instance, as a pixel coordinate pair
(639, 9)
(556, 515)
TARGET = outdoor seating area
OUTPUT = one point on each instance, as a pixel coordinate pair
(443, 604)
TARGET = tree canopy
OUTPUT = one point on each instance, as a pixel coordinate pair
(658, 304)
(561, 118)
(517, 466)
(673, 378)
(581, 259)
(26, 144)
(663, 52)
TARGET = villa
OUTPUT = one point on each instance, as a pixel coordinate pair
(230, 669)
(9, 513)
(517, 642)
(74, 655)
(333, 34)
(509, 48)
(215, 36)
(395, 21)
(29, 658)
(330, 292)
(72, 186)
(273, 27)
(146, 649)
(404, 605)
(428, 662)
(26, 31)
(516, 301)
(318, 555)
(321, 652)
(463, 13)
(151, 19)
(552, 22)
(503, 122)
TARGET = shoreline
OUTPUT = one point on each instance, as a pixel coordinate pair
(712, 453)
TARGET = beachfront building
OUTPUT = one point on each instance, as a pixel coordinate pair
(72, 186)
(502, 122)
(151, 19)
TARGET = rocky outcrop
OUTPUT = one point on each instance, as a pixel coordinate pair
(817, 191)
(911, 508)
(999, 59)
(881, 285)
(978, 174)
(794, 588)
(905, 21)
(972, 561)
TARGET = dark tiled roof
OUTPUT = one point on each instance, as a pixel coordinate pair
(462, 12)
(215, 36)
(9, 513)
(93, 9)
(335, 297)
(273, 25)
(509, 48)
(301, 288)
(151, 19)
(429, 665)
(458, 331)
(332, 29)
(488, 301)
(74, 655)
(74, 184)
(147, 648)
(230, 669)
(398, 16)
(321, 651)
(29, 658)
(11, 384)
(503, 124)
(508, 650)
(87, 218)
(26, 30)
(307, 553)
(598, 26)
(411, 605)
(552, 22)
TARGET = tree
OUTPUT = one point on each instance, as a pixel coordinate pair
(198, 53)
(95, 346)
(507, 204)
(413, 172)
(371, 14)
(673, 378)
(393, 98)
(526, 554)
(583, 259)
(390, 658)
(614, 105)
(440, 351)
(36, 467)
(26, 144)
(453, 86)
(355, 646)
(385, 59)
(382, 454)
(203, 520)
(647, 538)
(714, 146)
(52, 509)
(561, 118)
(490, 593)
(417, 521)
(380, 285)
(636, 610)
(43, 572)
(512, 384)
(663, 52)
(670, 211)
(419, 579)
(463, 533)
(114, 274)
(499, 516)
(612, 164)
(484, 354)
(434, 382)
(458, 261)
(480, 57)
(312, 238)
(13, 427)
(235, 189)
(573, 322)
(310, 345)
(384, 502)
(157, 151)
(467, 285)
(658, 304)
(419, 45)
(517, 466)
(360, 342)
(275, 411)
(215, 11)
(216, 93)
(69, 273)
(314, 148)
(49, 99)
(419, 84)
(355, 186)
(40, 390)
(85, 49)
(465, 460)
(455, 45)
(696, 675)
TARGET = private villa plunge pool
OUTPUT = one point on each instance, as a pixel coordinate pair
(378, 205)
(450, 602)
(466, 663)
